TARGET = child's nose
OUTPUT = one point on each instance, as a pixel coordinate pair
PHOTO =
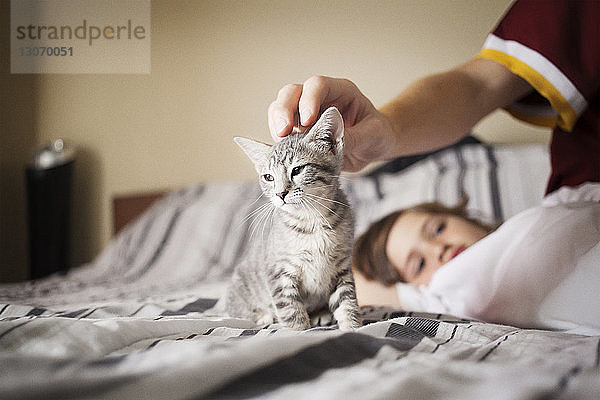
(438, 251)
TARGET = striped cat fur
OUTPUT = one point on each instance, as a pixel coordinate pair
(299, 263)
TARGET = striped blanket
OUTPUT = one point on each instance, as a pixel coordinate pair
(130, 324)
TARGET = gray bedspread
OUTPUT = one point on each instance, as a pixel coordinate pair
(130, 326)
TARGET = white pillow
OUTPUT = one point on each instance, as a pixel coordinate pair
(500, 180)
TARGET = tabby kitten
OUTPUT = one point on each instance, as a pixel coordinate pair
(303, 264)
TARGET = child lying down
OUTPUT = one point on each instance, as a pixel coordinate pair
(539, 269)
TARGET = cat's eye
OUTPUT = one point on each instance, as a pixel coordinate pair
(297, 170)
(268, 177)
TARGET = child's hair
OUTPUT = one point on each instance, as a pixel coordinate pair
(369, 256)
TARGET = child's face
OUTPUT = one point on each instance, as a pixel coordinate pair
(420, 243)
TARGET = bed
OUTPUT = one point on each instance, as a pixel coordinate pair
(130, 324)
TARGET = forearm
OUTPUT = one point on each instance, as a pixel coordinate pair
(431, 113)
(374, 293)
(440, 109)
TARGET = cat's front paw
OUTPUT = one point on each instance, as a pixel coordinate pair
(298, 320)
(265, 318)
(349, 324)
(298, 326)
(348, 318)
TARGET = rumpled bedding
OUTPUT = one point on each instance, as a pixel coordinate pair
(130, 325)
(188, 357)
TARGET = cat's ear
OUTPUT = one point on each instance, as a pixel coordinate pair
(257, 152)
(328, 132)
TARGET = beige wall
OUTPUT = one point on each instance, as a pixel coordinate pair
(216, 65)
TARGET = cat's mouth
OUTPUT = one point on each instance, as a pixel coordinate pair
(285, 203)
(286, 198)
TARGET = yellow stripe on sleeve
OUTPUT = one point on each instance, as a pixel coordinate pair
(566, 115)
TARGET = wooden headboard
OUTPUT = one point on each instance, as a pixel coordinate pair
(127, 207)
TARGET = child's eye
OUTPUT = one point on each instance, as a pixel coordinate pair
(421, 266)
(297, 170)
(440, 228)
(268, 177)
(415, 267)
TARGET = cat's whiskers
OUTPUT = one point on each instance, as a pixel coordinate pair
(253, 214)
(304, 205)
(343, 177)
(261, 217)
(257, 199)
(263, 222)
(256, 223)
(325, 198)
(269, 217)
(310, 210)
(309, 203)
(255, 211)
(324, 186)
(247, 217)
(325, 207)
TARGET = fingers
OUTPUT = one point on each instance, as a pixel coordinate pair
(314, 96)
(282, 111)
(298, 106)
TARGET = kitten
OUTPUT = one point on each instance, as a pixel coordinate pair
(303, 264)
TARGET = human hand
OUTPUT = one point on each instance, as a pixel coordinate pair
(368, 135)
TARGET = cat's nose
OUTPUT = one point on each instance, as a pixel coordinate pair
(282, 195)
